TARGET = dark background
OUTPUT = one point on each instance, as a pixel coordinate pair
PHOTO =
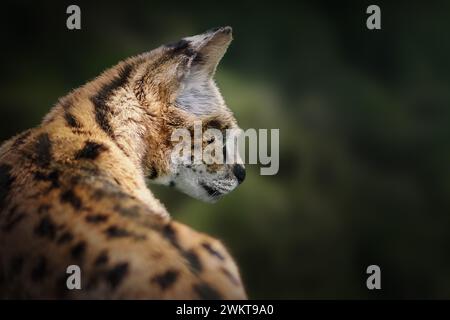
(364, 119)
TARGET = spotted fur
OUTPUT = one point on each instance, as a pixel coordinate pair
(74, 191)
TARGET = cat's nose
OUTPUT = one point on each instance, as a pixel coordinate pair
(239, 172)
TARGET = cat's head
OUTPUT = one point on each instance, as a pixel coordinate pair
(175, 83)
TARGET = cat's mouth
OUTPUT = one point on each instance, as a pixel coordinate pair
(213, 192)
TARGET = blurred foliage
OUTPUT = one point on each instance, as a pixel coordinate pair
(364, 119)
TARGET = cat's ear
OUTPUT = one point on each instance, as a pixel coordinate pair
(181, 72)
(201, 53)
(208, 49)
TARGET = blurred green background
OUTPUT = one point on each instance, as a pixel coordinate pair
(364, 119)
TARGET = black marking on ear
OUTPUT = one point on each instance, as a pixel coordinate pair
(91, 150)
(101, 259)
(6, 180)
(71, 198)
(212, 251)
(181, 47)
(52, 177)
(166, 280)
(21, 139)
(71, 120)
(39, 271)
(100, 100)
(65, 237)
(78, 250)
(43, 148)
(206, 292)
(13, 222)
(96, 218)
(116, 274)
(46, 228)
(194, 261)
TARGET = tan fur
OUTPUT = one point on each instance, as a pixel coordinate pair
(74, 192)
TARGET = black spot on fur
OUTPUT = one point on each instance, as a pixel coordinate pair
(194, 261)
(13, 222)
(52, 177)
(96, 218)
(71, 120)
(116, 274)
(46, 228)
(212, 251)
(153, 173)
(117, 232)
(39, 271)
(131, 212)
(100, 100)
(191, 256)
(206, 292)
(21, 139)
(166, 280)
(70, 197)
(78, 250)
(65, 237)
(91, 150)
(6, 180)
(43, 149)
(169, 233)
(101, 259)
(172, 184)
